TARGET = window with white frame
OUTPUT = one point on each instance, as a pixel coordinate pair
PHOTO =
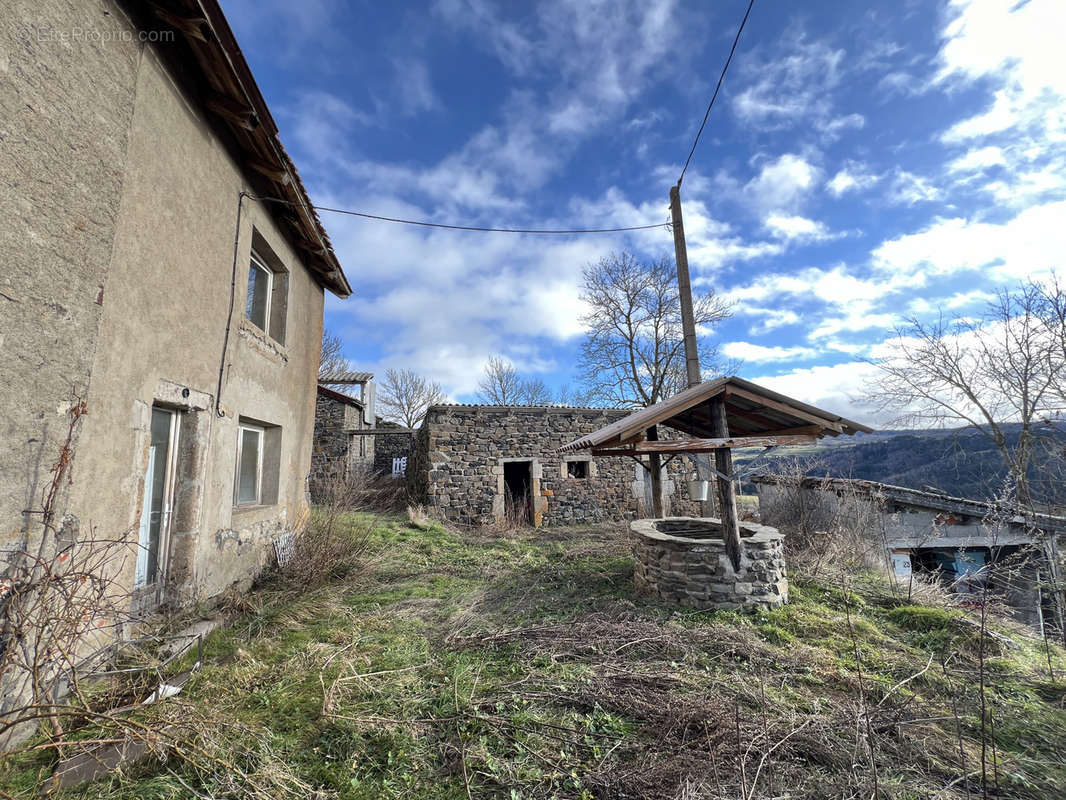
(248, 489)
(260, 292)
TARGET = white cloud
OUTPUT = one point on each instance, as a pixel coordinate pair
(782, 183)
(834, 127)
(1019, 44)
(414, 92)
(978, 160)
(793, 86)
(769, 318)
(910, 189)
(1017, 48)
(854, 177)
(1029, 244)
(798, 228)
(746, 351)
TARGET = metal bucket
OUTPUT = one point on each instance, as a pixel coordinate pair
(699, 491)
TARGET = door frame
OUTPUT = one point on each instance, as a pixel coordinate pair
(167, 513)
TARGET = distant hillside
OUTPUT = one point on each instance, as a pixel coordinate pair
(960, 462)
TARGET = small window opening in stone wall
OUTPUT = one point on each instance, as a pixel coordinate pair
(577, 469)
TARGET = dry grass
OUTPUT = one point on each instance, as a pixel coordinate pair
(472, 665)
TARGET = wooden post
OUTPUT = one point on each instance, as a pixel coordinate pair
(688, 321)
(727, 498)
(655, 469)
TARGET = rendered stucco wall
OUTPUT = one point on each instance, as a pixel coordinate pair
(165, 310)
(65, 111)
(119, 204)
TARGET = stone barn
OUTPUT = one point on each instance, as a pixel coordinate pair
(341, 444)
(484, 465)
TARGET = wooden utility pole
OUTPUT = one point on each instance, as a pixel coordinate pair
(723, 458)
(688, 319)
(688, 322)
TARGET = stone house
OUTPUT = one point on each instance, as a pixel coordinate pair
(143, 276)
(480, 465)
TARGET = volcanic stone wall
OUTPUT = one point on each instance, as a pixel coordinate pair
(335, 450)
(390, 442)
(697, 572)
(457, 466)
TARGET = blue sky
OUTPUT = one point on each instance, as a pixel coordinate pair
(865, 162)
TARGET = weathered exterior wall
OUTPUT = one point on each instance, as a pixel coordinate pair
(456, 467)
(698, 573)
(890, 527)
(120, 206)
(65, 112)
(165, 309)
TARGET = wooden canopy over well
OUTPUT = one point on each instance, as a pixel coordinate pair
(756, 417)
(717, 415)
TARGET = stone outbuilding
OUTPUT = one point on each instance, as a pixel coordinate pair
(343, 442)
(484, 465)
(965, 542)
(144, 276)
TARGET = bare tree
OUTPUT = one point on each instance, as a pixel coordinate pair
(501, 384)
(633, 353)
(535, 392)
(332, 361)
(982, 374)
(568, 396)
(1052, 296)
(405, 396)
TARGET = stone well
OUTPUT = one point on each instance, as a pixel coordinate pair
(683, 560)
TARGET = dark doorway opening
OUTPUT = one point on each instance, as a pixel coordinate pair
(518, 490)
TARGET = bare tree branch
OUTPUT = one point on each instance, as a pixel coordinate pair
(633, 353)
(405, 396)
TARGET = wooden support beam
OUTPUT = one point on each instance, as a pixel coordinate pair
(233, 110)
(655, 469)
(193, 27)
(269, 170)
(784, 409)
(727, 498)
(751, 415)
(704, 445)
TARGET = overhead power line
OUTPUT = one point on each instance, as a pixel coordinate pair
(710, 105)
(425, 224)
(664, 224)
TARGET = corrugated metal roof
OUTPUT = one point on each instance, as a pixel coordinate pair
(341, 396)
(918, 498)
(529, 408)
(339, 378)
(751, 410)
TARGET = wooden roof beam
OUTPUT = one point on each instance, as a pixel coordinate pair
(784, 408)
(233, 111)
(702, 445)
(193, 27)
(275, 174)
